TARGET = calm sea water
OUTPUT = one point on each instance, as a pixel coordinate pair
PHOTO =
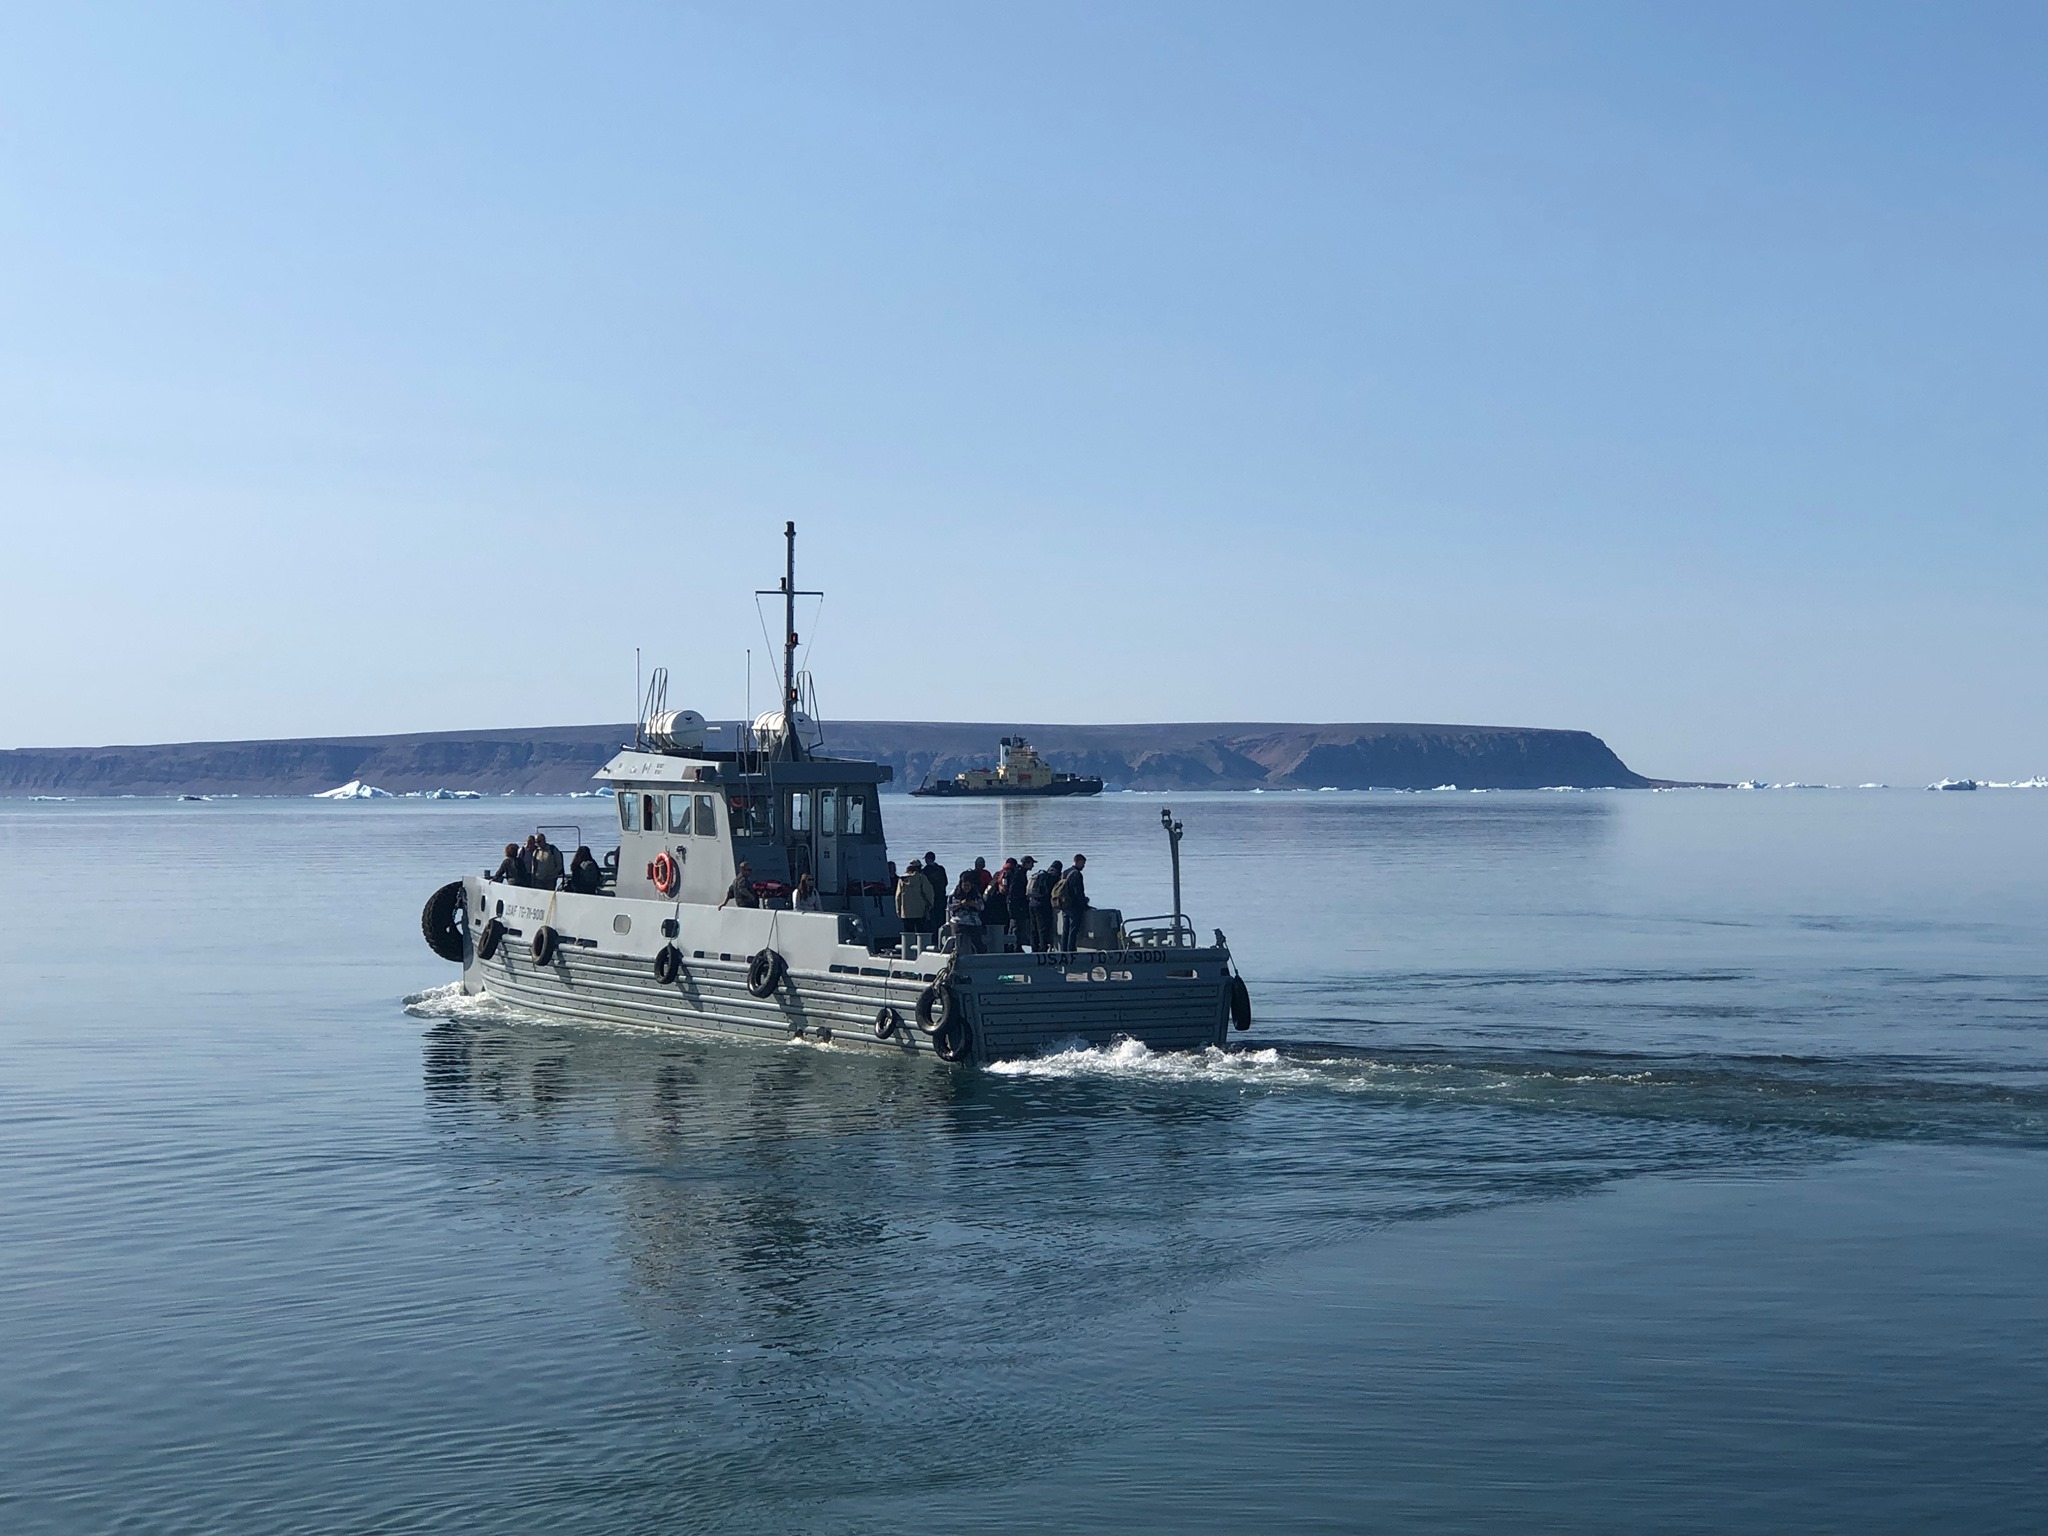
(1600, 1162)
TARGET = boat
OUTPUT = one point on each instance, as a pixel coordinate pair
(1019, 773)
(659, 944)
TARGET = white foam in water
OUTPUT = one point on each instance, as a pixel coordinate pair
(451, 1002)
(1130, 1059)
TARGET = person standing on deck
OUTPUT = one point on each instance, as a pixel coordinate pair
(1020, 901)
(1043, 937)
(547, 862)
(995, 904)
(741, 892)
(512, 868)
(935, 877)
(1070, 896)
(914, 900)
(964, 912)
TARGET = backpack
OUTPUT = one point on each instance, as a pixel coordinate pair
(1059, 894)
(1041, 888)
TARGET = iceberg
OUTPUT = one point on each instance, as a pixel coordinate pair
(1953, 784)
(424, 794)
(354, 789)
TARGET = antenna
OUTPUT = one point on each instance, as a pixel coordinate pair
(636, 698)
(1173, 841)
(789, 594)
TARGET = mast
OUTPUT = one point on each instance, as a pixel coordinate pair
(789, 638)
(788, 592)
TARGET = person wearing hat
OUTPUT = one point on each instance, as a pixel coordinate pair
(1043, 937)
(741, 892)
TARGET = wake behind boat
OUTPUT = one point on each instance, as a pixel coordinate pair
(663, 935)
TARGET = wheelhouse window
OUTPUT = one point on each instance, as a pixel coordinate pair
(828, 812)
(625, 810)
(853, 808)
(679, 813)
(707, 818)
(650, 814)
(799, 803)
(752, 815)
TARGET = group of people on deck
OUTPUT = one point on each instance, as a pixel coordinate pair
(989, 911)
(539, 865)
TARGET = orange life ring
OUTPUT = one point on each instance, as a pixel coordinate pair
(668, 875)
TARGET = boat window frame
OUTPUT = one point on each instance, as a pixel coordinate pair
(679, 825)
(707, 816)
(750, 815)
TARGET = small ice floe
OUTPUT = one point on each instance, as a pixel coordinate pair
(1805, 786)
(591, 794)
(1954, 784)
(2033, 783)
(1752, 784)
(1445, 789)
(354, 789)
(50, 799)
(425, 794)
(1873, 786)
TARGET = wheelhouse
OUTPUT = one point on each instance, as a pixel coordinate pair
(709, 814)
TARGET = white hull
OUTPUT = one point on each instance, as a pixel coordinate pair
(833, 987)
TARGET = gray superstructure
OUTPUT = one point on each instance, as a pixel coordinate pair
(655, 948)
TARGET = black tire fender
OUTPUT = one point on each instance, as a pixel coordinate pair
(1240, 1003)
(765, 972)
(934, 1007)
(443, 920)
(887, 1022)
(949, 1040)
(544, 945)
(487, 941)
(668, 964)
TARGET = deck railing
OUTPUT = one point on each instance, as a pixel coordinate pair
(1166, 931)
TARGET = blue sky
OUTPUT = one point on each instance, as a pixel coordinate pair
(1671, 372)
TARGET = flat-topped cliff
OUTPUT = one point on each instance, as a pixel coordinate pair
(555, 759)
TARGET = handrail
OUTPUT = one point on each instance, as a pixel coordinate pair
(1179, 926)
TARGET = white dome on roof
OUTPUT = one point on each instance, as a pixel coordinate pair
(768, 729)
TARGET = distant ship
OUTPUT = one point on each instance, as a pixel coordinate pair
(1019, 771)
